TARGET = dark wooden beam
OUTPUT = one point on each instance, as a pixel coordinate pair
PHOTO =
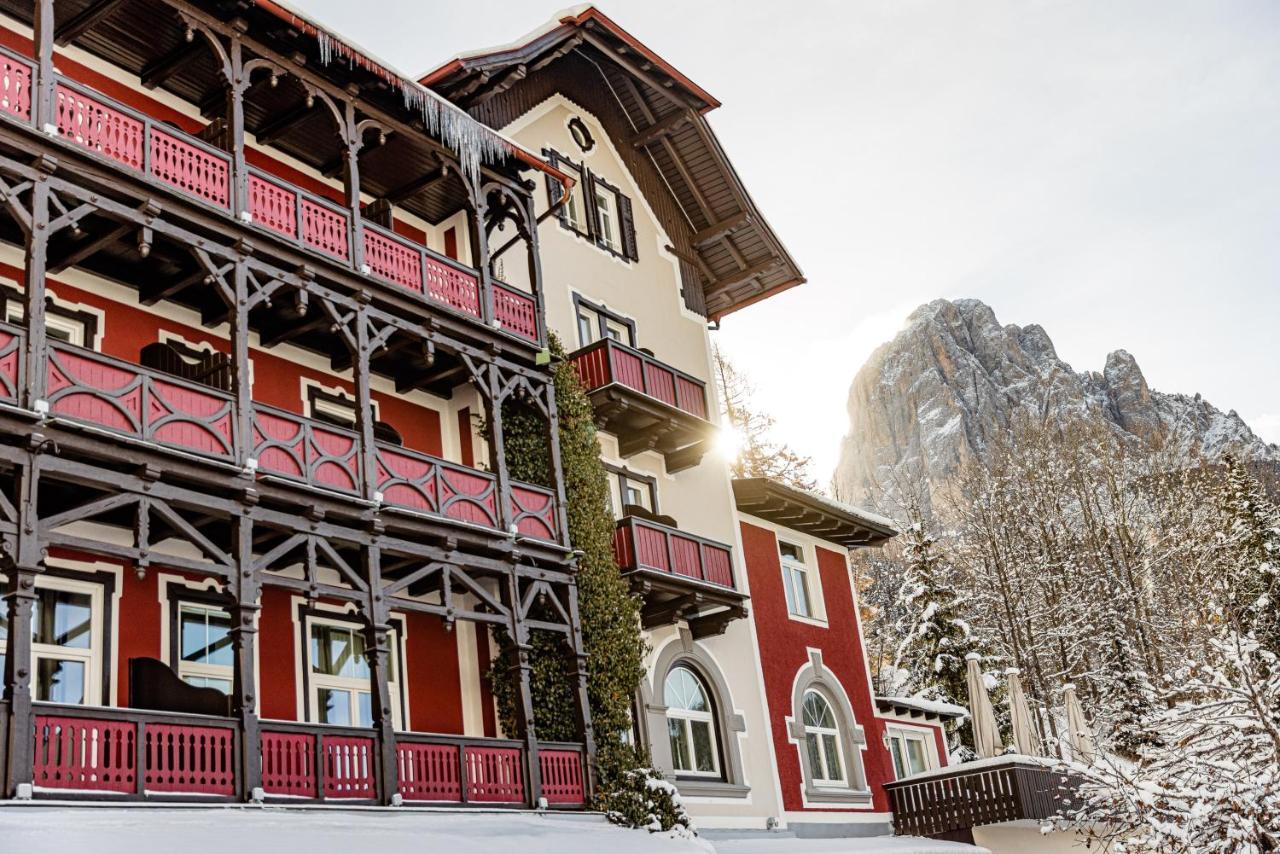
(89, 246)
(510, 78)
(157, 71)
(273, 129)
(763, 268)
(80, 24)
(720, 229)
(150, 295)
(288, 332)
(685, 458)
(662, 127)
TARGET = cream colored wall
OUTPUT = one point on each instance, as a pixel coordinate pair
(648, 292)
(1024, 837)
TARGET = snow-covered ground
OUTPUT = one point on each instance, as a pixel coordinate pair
(161, 830)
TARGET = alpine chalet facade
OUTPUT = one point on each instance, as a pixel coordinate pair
(265, 303)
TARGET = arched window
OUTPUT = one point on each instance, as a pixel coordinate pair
(691, 724)
(822, 740)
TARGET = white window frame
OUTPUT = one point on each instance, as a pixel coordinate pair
(352, 685)
(825, 782)
(686, 718)
(791, 568)
(902, 735)
(74, 330)
(91, 657)
(610, 230)
(198, 670)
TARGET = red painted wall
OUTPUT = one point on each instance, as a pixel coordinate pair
(277, 665)
(434, 683)
(784, 645)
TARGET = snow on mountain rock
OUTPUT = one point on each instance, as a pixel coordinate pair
(931, 401)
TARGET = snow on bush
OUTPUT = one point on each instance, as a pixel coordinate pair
(646, 799)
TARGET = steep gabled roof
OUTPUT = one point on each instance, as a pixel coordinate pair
(727, 247)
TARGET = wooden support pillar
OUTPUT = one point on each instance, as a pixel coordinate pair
(377, 648)
(246, 590)
(577, 667)
(19, 597)
(364, 402)
(497, 445)
(535, 268)
(480, 247)
(43, 106)
(352, 141)
(520, 672)
(237, 86)
(242, 383)
(36, 347)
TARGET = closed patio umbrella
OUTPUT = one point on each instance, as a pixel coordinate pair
(1024, 732)
(1079, 736)
(986, 735)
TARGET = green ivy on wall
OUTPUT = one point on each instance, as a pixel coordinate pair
(609, 614)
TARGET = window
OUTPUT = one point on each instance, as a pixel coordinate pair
(795, 580)
(595, 209)
(204, 642)
(66, 620)
(909, 751)
(691, 724)
(581, 135)
(595, 323)
(822, 741)
(340, 674)
(628, 488)
(62, 323)
(334, 407)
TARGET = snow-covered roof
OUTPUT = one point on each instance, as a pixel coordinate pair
(935, 708)
(810, 513)
(982, 764)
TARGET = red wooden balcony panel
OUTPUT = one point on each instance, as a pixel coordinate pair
(299, 448)
(456, 288)
(348, 767)
(516, 311)
(408, 479)
(273, 206)
(639, 544)
(325, 229)
(10, 364)
(194, 759)
(660, 382)
(99, 128)
(626, 368)
(15, 87)
(534, 511)
(468, 495)
(289, 764)
(561, 772)
(691, 396)
(495, 774)
(87, 386)
(393, 259)
(85, 754)
(429, 772)
(195, 170)
(592, 366)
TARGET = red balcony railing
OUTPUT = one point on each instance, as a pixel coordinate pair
(561, 772)
(128, 752)
(10, 365)
(534, 511)
(607, 361)
(98, 124)
(516, 311)
(421, 482)
(639, 544)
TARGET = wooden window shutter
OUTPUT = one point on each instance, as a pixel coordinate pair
(555, 190)
(627, 223)
(592, 212)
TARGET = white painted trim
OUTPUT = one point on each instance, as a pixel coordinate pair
(923, 732)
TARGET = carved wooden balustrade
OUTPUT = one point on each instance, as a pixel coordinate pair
(144, 405)
(83, 752)
(95, 123)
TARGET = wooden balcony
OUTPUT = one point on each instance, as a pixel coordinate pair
(179, 162)
(680, 576)
(950, 803)
(648, 405)
(143, 405)
(86, 753)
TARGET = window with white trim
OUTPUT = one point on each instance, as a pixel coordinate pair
(61, 324)
(204, 642)
(822, 741)
(795, 580)
(66, 642)
(691, 724)
(910, 751)
(607, 216)
(340, 676)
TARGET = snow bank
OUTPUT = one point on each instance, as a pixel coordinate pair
(871, 845)
(240, 830)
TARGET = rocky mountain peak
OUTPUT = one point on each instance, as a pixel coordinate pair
(933, 398)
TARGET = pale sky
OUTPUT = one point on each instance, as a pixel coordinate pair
(1107, 169)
